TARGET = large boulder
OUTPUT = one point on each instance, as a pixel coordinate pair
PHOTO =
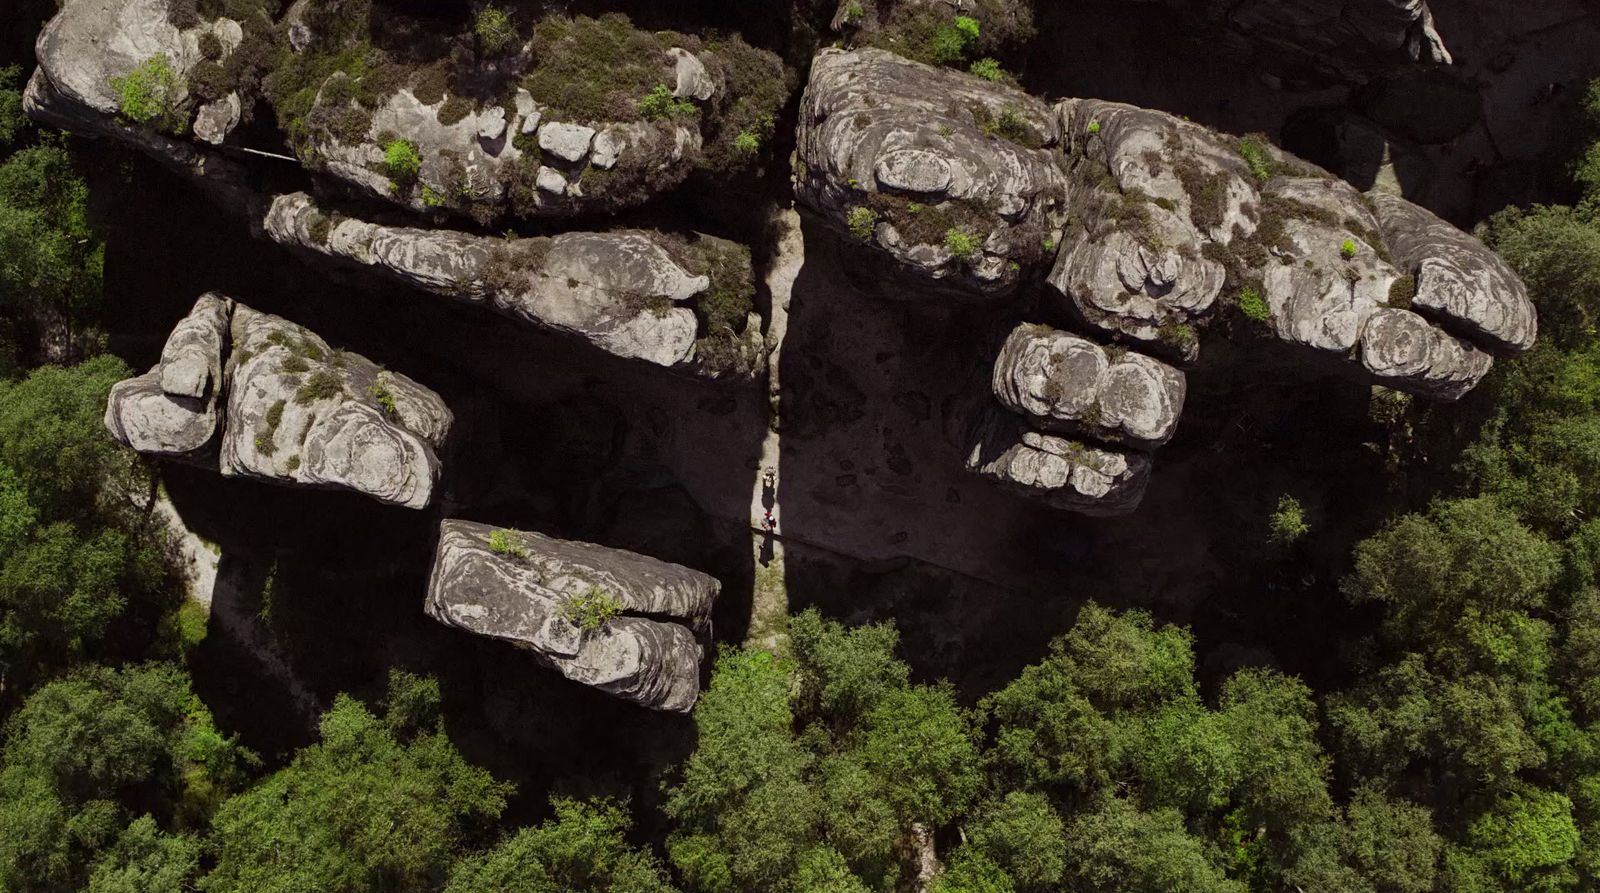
(301, 412)
(1173, 216)
(90, 44)
(948, 177)
(1458, 281)
(1068, 384)
(619, 621)
(630, 293)
(172, 410)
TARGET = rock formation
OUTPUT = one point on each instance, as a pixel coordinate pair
(290, 408)
(948, 176)
(959, 186)
(621, 622)
(629, 293)
(173, 409)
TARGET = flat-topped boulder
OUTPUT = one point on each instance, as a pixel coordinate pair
(301, 412)
(618, 621)
(948, 177)
(1064, 383)
(257, 396)
(172, 410)
(632, 293)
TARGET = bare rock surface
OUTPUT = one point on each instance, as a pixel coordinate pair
(1066, 383)
(301, 412)
(524, 593)
(1459, 281)
(1060, 472)
(173, 410)
(627, 293)
(945, 174)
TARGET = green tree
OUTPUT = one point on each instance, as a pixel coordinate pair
(79, 746)
(1023, 834)
(581, 850)
(361, 810)
(1115, 848)
(146, 859)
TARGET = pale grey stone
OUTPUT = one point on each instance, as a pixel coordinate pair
(550, 180)
(346, 439)
(1403, 351)
(569, 142)
(692, 80)
(1062, 473)
(191, 360)
(1460, 282)
(216, 120)
(1065, 383)
(648, 655)
(875, 126)
(173, 409)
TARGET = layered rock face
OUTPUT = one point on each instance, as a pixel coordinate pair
(618, 621)
(289, 408)
(629, 293)
(1167, 221)
(949, 177)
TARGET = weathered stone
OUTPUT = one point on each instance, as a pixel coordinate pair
(172, 409)
(550, 180)
(1403, 351)
(936, 159)
(692, 81)
(1459, 282)
(1058, 472)
(608, 146)
(1065, 383)
(569, 142)
(492, 123)
(191, 360)
(300, 412)
(216, 120)
(623, 292)
(527, 592)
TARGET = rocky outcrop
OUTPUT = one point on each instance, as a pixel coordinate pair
(946, 176)
(173, 410)
(618, 621)
(1064, 383)
(1174, 216)
(301, 412)
(1059, 472)
(1458, 282)
(88, 45)
(290, 408)
(629, 293)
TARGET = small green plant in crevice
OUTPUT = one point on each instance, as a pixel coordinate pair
(431, 199)
(1093, 128)
(862, 222)
(292, 463)
(747, 143)
(1177, 335)
(380, 391)
(501, 542)
(952, 42)
(989, 69)
(1288, 522)
(660, 103)
(592, 610)
(962, 245)
(496, 32)
(1253, 305)
(1348, 249)
(854, 12)
(401, 161)
(1012, 125)
(152, 95)
(1255, 155)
